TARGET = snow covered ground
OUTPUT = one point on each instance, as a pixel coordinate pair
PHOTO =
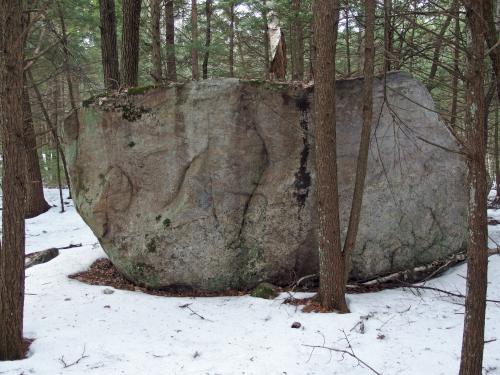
(134, 333)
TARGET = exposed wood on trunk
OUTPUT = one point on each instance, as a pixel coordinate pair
(277, 48)
(109, 51)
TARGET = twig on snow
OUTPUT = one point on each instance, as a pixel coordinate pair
(66, 365)
(349, 352)
(187, 306)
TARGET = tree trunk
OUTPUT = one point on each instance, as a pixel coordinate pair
(456, 67)
(109, 51)
(477, 269)
(231, 40)
(388, 53)
(364, 145)
(156, 40)
(347, 39)
(438, 44)
(35, 201)
(194, 36)
(491, 41)
(331, 258)
(14, 159)
(208, 37)
(297, 42)
(265, 34)
(497, 164)
(170, 37)
(131, 10)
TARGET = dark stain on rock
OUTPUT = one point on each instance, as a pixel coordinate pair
(302, 176)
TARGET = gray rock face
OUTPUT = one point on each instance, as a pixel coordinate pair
(210, 184)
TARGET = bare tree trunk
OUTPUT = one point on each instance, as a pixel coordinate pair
(456, 67)
(388, 53)
(131, 10)
(364, 145)
(156, 40)
(492, 41)
(265, 34)
(194, 36)
(297, 42)
(438, 44)
(109, 51)
(497, 164)
(72, 93)
(208, 37)
(35, 203)
(51, 127)
(14, 178)
(170, 37)
(56, 96)
(347, 39)
(477, 269)
(231, 40)
(331, 258)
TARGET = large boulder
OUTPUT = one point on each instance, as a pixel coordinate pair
(210, 184)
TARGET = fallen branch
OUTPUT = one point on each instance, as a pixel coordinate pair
(459, 295)
(187, 306)
(349, 352)
(66, 365)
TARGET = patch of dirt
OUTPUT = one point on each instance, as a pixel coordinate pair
(103, 272)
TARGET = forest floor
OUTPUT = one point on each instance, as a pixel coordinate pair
(84, 329)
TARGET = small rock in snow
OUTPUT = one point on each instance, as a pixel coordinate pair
(296, 325)
(108, 291)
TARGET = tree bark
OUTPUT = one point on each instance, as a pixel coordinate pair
(194, 36)
(35, 203)
(109, 51)
(156, 40)
(265, 34)
(364, 145)
(297, 42)
(438, 44)
(208, 37)
(456, 67)
(491, 41)
(497, 163)
(388, 53)
(331, 258)
(170, 37)
(131, 10)
(477, 269)
(231, 40)
(347, 39)
(14, 178)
